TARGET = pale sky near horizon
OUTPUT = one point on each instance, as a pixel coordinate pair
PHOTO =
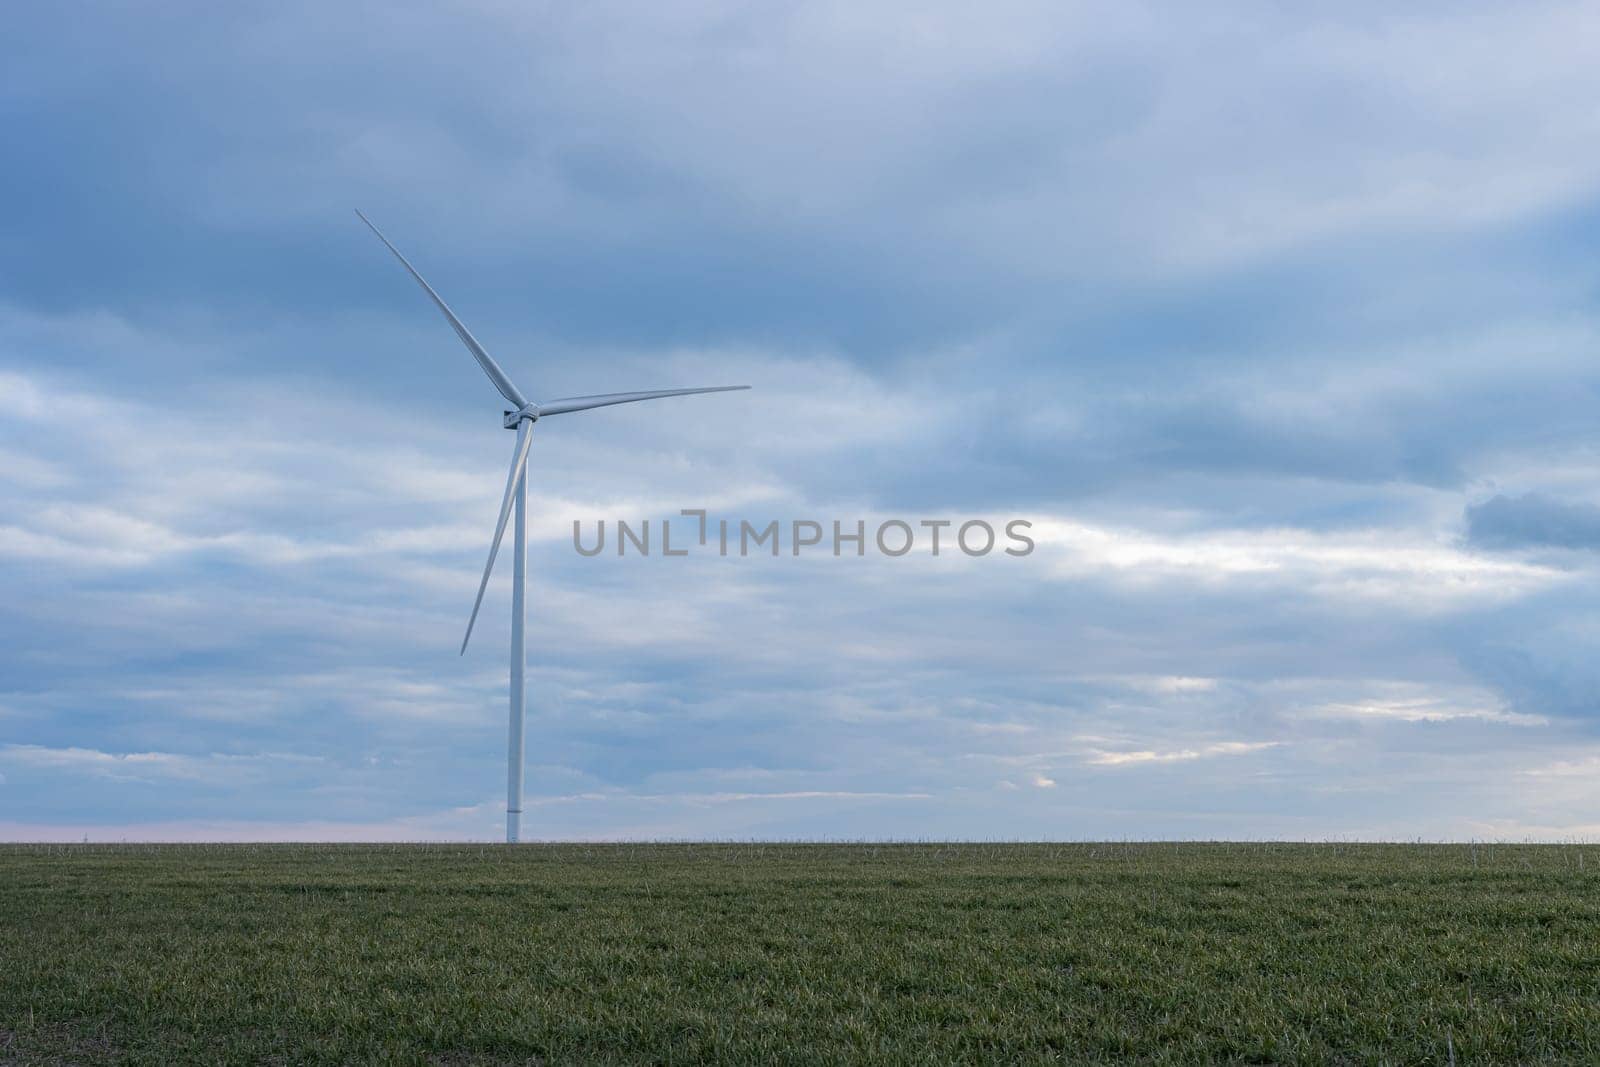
(1281, 328)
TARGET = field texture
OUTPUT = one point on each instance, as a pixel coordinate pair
(908, 954)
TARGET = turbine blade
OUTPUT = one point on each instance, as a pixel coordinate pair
(519, 464)
(584, 403)
(490, 367)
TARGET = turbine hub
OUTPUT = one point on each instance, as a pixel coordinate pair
(513, 419)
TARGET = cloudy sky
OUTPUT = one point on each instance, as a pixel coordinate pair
(1282, 330)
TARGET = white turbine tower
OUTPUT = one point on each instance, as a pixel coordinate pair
(521, 420)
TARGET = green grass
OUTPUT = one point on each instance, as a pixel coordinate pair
(908, 954)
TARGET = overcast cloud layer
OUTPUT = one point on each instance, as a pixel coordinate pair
(1281, 329)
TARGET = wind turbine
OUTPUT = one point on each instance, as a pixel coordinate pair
(521, 420)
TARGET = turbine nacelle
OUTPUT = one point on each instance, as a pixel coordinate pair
(513, 419)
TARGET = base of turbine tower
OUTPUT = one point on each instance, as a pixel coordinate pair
(513, 827)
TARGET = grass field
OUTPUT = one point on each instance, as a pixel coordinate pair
(800, 954)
